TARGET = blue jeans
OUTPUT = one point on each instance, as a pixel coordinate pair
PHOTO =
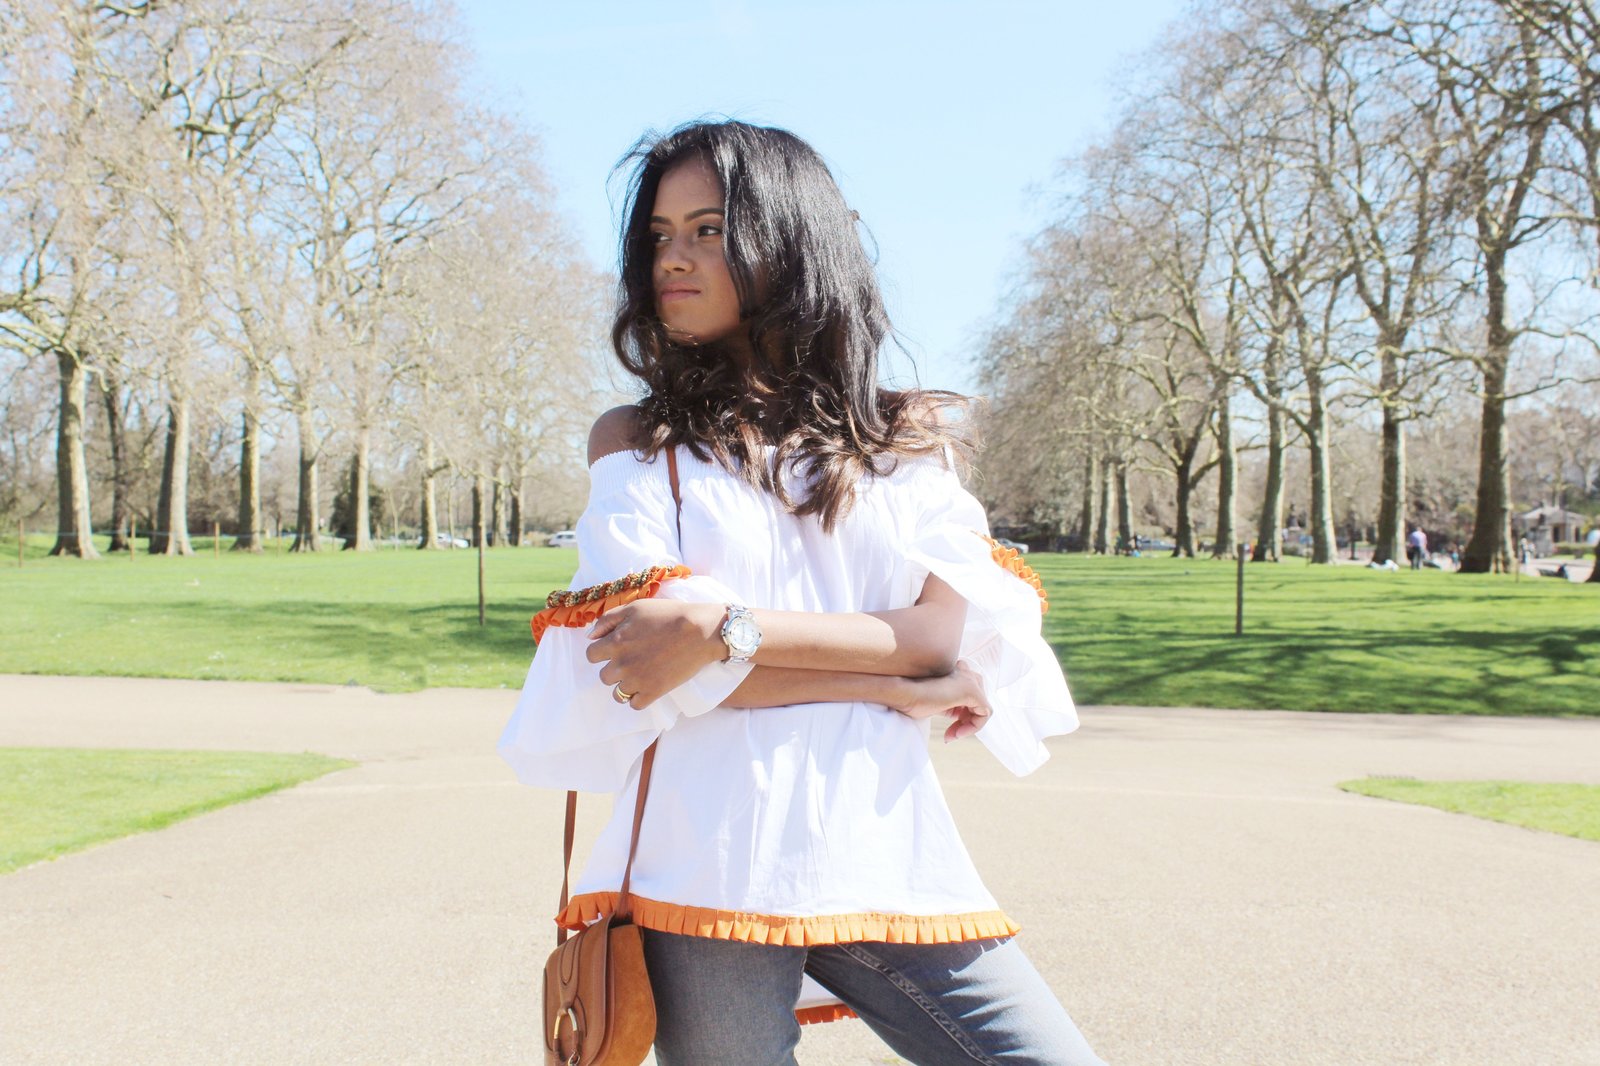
(729, 1003)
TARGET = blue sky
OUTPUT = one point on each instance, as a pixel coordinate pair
(941, 121)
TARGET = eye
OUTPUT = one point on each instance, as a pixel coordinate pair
(709, 230)
(656, 237)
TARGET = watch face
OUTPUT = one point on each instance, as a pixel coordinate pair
(743, 635)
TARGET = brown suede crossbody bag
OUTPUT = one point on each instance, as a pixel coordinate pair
(598, 1006)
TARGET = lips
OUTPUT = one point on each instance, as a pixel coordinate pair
(676, 292)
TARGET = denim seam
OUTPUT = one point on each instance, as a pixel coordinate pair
(928, 1006)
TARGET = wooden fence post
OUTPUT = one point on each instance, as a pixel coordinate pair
(1238, 597)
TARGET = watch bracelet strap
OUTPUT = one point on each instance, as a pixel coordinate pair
(646, 765)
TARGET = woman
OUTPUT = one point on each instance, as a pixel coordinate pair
(825, 587)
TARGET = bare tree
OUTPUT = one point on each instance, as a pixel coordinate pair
(61, 216)
(1389, 198)
(1492, 73)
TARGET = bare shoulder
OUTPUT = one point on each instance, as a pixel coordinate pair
(615, 431)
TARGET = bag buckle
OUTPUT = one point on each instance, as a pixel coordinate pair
(555, 1032)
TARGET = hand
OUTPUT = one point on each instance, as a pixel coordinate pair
(650, 647)
(958, 694)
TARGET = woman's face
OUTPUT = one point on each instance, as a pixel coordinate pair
(695, 295)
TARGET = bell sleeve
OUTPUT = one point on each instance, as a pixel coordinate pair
(1003, 639)
(567, 731)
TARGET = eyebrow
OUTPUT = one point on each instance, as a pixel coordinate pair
(690, 217)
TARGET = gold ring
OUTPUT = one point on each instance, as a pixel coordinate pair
(621, 696)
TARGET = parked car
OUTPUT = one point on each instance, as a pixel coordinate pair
(445, 540)
(1021, 548)
(564, 539)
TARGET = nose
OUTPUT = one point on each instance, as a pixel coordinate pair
(672, 256)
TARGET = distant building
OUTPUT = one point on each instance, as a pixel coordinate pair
(1548, 526)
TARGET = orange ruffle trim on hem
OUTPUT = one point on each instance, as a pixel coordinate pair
(790, 930)
(1011, 559)
(828, 1012)
(583, 606)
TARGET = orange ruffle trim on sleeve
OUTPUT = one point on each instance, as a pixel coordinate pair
(575, 608)
(1011, 559)
(792, 931)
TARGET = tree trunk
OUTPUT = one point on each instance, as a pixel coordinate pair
(1124, 507)
(478, 493)
(1392, 494)
(250, 523)
(514, 535)
(498, 508)
(430, 502)
(1324, 545)
(1227, 467)
(173, 516)
(157, 544)
(307, 519)
(1091, 497)
(1489, 547)
(450, 510)
(110, 390)
(1183, 536)
(73, 526)
(1103, 512)
(1269, 527)
(361, 494)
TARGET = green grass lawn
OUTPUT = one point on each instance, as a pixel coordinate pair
(1159, 632)
(393, 620)
(1153, 631)
(1573, 810)
(57, 800)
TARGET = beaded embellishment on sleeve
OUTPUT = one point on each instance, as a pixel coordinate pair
(1011, 559)
(573, 608)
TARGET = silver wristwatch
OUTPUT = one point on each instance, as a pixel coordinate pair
(740, 633)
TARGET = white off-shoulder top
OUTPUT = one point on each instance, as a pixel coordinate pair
(809, 824)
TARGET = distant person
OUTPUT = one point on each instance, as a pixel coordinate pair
(783, 627)
(1417, 547)
(1524, 550)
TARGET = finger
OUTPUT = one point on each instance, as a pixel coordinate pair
(642, 699)
(968, 721)
(599, 651)
(606, 623)
(611, 674)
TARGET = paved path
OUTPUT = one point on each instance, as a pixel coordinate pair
(1191, 883)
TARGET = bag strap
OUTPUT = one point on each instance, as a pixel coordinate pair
(624, 902)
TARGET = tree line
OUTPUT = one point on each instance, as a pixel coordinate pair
(293, 217)
(1308, 213)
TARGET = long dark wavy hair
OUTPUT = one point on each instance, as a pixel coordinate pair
(808, 296)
